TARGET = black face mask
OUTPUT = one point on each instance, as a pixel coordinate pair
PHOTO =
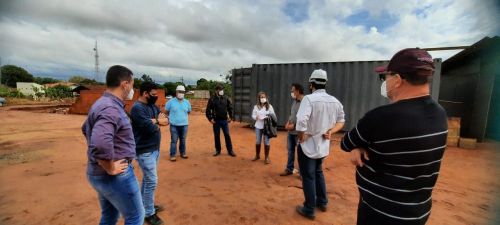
(152, 99)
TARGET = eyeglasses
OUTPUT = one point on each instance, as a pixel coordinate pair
(382, 76)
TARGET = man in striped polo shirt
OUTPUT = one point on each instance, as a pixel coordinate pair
(398, 148)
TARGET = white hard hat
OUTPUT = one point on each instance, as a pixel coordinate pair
(180, 88)
(318, 74)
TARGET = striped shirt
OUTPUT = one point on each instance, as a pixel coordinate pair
(405, 143)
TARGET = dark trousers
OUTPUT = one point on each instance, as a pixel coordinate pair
(222, 124)
(368, 216)
(313, 182)
(292, 143)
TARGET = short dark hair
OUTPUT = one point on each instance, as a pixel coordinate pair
(298, 88)
(318, 86)
(116, 74)
(147, 86)
(416, 78)
(218, 87)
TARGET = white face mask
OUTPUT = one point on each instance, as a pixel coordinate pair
(383, 89)
(221, 92)
(180, 95)
(293, 95)
(263, 100)
(130, 94)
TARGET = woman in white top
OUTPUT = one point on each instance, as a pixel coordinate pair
(260, 112)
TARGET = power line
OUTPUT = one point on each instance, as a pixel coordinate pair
(445, 48)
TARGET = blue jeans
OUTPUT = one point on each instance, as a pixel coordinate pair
(178, 133)
(119, 195)
(313, 182)
(148, 162)
(291, 145)
(222, 124)
(258, 135)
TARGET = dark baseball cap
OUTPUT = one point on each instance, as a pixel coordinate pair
(411, 61)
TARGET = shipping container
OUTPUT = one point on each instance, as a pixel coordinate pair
(355, 84)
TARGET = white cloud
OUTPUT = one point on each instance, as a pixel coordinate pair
(195, 39)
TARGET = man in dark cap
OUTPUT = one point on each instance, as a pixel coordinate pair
(397, 148)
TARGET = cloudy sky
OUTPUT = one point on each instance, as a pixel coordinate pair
(195, 39)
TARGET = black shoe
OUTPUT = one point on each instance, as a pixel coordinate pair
(231, 153)
(286, 173)
(184, 156)
(322, 208)
(159, 208)
(153, 220)
(300, 210)
(216, 154)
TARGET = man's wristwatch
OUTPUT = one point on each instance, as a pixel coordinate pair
(157, 122)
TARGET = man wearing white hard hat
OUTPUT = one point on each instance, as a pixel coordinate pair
(319, 116)
(178, 110)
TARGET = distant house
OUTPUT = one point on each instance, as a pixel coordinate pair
(205, 94)
(78, 88)
(66, 84)
(29, 89)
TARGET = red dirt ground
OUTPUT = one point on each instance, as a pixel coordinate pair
(42, 179)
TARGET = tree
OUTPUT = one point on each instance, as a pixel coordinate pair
(90, 81)
(77, 79)
(146, 77)
(45, 80)
(137, 83)
(58, 92)
(171, 86)
(12, 74)
(201, 81)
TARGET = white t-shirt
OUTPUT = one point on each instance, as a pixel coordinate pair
(260, 114)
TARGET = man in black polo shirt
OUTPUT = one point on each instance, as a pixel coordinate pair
(398, 148)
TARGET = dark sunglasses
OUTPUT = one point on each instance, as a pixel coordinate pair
(382, 76)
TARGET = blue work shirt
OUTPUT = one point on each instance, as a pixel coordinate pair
(178, 111)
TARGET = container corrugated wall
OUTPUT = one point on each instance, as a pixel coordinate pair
(241, 83)
(353, 83)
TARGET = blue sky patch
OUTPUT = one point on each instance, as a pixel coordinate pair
(297, 10)
(363, 18)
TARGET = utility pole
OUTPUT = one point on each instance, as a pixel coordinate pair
(0, 70)
(96, 55)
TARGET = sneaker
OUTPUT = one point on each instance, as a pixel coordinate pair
(184, 156)
(300, 210)
(173, 159)
(159, 208)
(286, 173)
(231, 153)
(153, 220)
(216, 154)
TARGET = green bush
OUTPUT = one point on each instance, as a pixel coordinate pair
(9, 92)
(58, 92)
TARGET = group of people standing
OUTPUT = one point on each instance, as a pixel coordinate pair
(115, 138)
(396, 165)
